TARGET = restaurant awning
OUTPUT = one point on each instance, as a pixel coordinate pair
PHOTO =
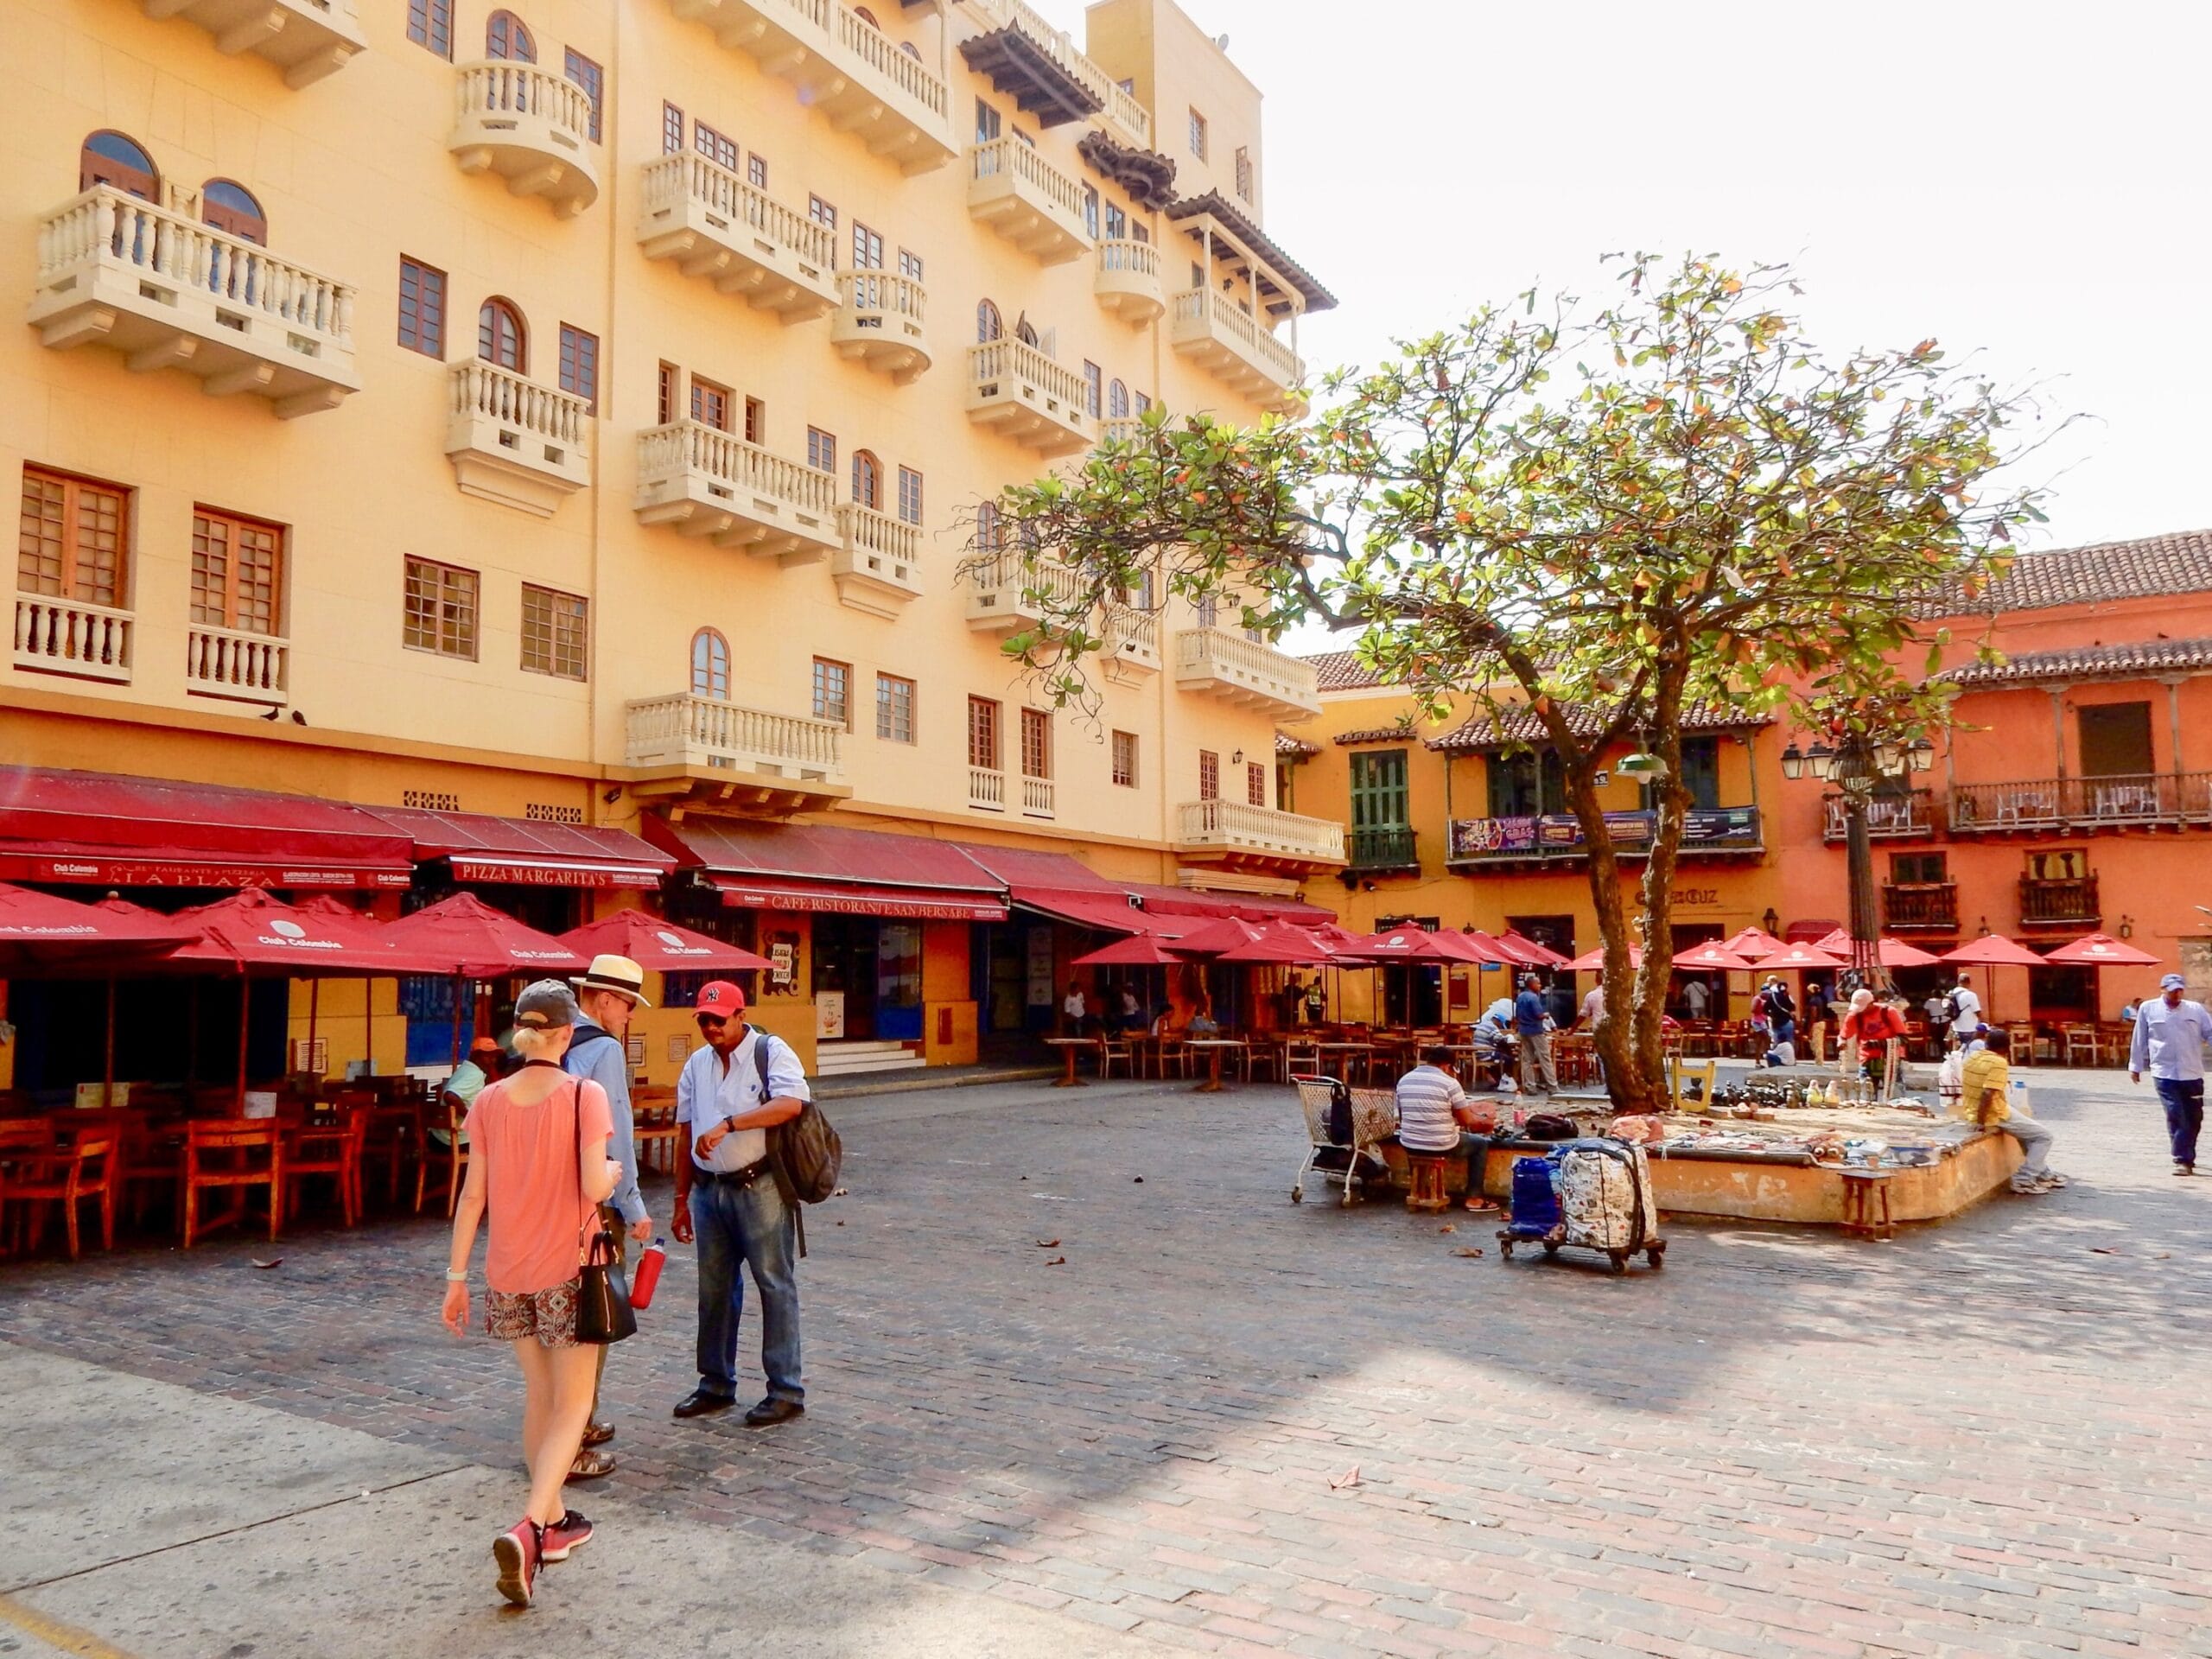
(1183, 901)
(106, 829)
(528, 852)
(824, 867)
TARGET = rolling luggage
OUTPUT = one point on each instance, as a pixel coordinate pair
(1594, 1194)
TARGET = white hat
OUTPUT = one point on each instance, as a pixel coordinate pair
(616, 974)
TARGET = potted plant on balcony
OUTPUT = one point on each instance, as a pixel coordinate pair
(1704, 510)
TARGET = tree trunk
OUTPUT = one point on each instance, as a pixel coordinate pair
(1631, 1085)
(1649, 1005)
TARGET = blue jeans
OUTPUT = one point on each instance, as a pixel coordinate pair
(750, 1224)
(2183, 1099)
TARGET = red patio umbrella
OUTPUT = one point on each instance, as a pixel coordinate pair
(1534, 952)
(1138, 950)
(2102, 951)
(1281, 945)
(1753, 942)
(662, 947)
(1994, 950)
(39, 933)
(1890, 953)
(1712, 958)
(1411, 943)
(1212, 939)
(1594, 960)
(474, 941)
(1797, 958)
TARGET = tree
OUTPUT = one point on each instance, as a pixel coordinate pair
(1602, 515)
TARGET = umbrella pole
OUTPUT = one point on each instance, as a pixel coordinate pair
(459, 989)
(191, 1032)
(107, 1075)
(315, 997)
(245, 1006)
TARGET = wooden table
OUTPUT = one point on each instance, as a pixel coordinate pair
(1070, 1046)
(1365, 1049)
(1214, 1047)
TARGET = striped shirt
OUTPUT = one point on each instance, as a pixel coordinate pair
(1425, 1096)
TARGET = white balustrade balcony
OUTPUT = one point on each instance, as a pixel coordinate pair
(1246, 672)
(1127, 281)
(711, 483)
(879, 568)
(514, 440)
(987, 788)
(1024, 394)
(1120, 108)
(715, 225)
(65, 636)
(878, 323)
(1037, 797)
(1256, 837)
(1120, 428)
(1133, 640)
(234, 663)
(844, 67)
(530, 127)
(307, 39)
(711, 733)
(1007, 592)
(1215, 331)
(1015, 191)
(169, 292)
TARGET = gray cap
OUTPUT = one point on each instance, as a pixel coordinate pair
(2173, 982)
(547, 1003)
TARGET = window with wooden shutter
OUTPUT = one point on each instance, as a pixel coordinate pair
(670, 391)
(1256, 784)
(421, 308)
(1125, 759)
(555, 629)
(1036, 743)
(983, 734)
(580, 365)
(910, 495)
(710, 403)
(237, 570)
(1209, 775)
(73, 539)
(833, 691)
(593, 78)
(441, 609)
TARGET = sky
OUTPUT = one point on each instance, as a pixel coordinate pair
(2023, 180)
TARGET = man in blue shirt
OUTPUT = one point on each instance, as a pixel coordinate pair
(1532, 1029)
(2171, 1034)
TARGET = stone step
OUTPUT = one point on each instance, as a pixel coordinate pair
(846, 1060)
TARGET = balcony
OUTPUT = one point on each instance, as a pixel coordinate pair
(1246, 672)
(878, 570)
(878, 324)
(1222, 337)
(1127, 281)
(514, 440)
(1375, 852)
(715, 225)
(528, 126)
(233, 662)
(2069, 902)
(1259, 838)
(1557, 838)
(1007, 592)
(1120, 428)
(2080, 805)
(844, 67)
(727, 752)
(1044, 70)
(1920, 907)
(1908, 815)
(1133, 640)
(711, 483)
(1027, 201)
(171, 293)
(1031, 399)
(64, 636)
(307, 39)
(987, 789)
(1037, 797)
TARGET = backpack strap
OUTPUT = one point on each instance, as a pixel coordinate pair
(785, 1190)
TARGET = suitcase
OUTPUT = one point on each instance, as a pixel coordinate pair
(1594, 1194)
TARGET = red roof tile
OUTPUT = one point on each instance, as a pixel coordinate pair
(2125, 662)
(2146, 569)
(1342, 671)
(1294, 748)
(1481, 730)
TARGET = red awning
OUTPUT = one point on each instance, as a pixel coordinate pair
(1182, 901)
(105, 830)
(827, 867)
(1106, 908)
(529, 852)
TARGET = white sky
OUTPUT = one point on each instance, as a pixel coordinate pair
(2026, 180)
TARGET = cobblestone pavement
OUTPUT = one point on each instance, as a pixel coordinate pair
(1987, 1438)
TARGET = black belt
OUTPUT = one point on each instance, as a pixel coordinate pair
(745, 1177)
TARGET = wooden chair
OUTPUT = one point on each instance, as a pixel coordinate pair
(653, 1128)
(222, 1154)
(327, 1149)
(1115, 1046)
(394, 1136)
(453, 1156)
(2021, 1035)
(150, 1153)
(1300, 1057)
(22, 1140)
(2078, 1045)
(69, 1176)
(1169, 1051)
(1262, 1054)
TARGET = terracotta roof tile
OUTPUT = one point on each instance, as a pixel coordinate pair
(2145, 568)
(2126, 662)
(1376, 734)
(1294, 748)
(1342, 671)
(1481, 730)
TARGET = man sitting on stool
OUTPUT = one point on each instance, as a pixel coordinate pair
(1434, 1119)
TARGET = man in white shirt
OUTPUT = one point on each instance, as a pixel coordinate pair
(2171, 1036)
(1073, 1008)
(1434, 1117)
(1966, 1007)
(727, 1101)
(1594, 1005)
(1697, 995)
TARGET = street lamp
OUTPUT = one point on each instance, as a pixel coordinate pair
(1858, 765)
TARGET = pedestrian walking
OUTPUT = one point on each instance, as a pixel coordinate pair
(610, 992)
(2171, 1035)
(1532, 1030)
(731, 1093)
(538, 1162)
(1966, 1004)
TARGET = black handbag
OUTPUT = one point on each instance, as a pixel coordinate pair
(603, 1310)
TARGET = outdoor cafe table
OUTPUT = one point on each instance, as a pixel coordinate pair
(1070, 1046)
(1363, 1050)
(1214, 1047)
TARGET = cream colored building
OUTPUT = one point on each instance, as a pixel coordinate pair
(570, 413)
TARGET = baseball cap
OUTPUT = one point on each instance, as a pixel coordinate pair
(2173, 982)
(484, 1045)
(719, 996)
(546, 1004)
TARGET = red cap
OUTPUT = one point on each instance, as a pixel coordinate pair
(720, 996)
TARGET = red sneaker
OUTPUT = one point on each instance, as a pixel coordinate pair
(571, 1531)
(516, 1550)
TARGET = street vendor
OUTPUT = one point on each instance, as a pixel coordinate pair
(1871, 1028)
(1435, 1117)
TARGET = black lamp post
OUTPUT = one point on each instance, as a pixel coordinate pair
(1858, 766)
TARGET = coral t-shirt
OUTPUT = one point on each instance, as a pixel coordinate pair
(533, 1158)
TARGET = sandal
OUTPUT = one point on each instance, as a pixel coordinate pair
(591, 1465)
(598, 1433)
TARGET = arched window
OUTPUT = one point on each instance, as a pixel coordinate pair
(868, 17)
(911, 50)
(709, 665)
(867, 479)
(505, 37)
(1117, 400)
(1025, 334)
(501, 337)
(987, 527)
(988, 326)
(111, 158)
(232, 208)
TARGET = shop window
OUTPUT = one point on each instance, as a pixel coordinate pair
(833, 700)
(111, 158)
(429, 23)
(506, 36)
(710, 665)
(1209, 775)
(983, 734)
(556, 628)
(580, 365)
(1125, 759)
(894, 708)
(73, 539)
(236, 572)
(593, 78)
(421, 308)
(441, 609)
(501, 338)
(230, 208)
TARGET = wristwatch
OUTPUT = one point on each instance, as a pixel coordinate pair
(730, 1126)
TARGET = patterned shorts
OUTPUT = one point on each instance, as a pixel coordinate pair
(549, 1315)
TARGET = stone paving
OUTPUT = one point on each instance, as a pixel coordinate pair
(1232, 1425)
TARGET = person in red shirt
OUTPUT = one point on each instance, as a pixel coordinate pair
(1873, 1028)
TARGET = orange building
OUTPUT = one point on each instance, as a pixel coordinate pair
(2072, 794)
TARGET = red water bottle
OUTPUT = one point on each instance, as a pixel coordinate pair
(648, 1272)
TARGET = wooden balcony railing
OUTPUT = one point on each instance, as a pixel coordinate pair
(1930, 906)
(2082, 803)
(1908, 816)
(1707, 832)
(2060, 902)
(1384, 849)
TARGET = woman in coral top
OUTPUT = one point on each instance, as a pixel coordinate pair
(538, 1162)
